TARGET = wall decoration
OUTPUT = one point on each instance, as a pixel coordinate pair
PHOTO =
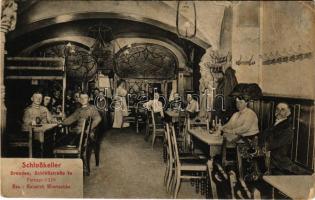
(286, 56)
(79, 63)
(145, 61)
(248, 62)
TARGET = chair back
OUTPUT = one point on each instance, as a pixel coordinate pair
(85, 131)
(174, 146)
(182, 121)
(168, 141)
(156, 120)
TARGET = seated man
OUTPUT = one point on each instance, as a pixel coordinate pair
(78, 116)
(278, 140)
(47, 102)
(243, 123)
(35, 113)
(192, 108)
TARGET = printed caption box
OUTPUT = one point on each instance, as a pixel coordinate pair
(31, 177)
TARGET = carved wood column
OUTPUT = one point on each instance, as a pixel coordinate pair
(8, 21)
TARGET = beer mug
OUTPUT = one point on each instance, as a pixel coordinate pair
(38, 120)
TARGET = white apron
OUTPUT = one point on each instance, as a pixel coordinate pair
(121, 109)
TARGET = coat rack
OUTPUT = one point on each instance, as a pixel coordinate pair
(285, 57)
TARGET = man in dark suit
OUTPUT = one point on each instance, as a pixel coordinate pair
(278, 139)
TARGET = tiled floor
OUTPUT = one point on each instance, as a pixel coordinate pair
(130, 168)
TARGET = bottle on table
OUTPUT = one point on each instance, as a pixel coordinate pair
(219, 125)
(213, 127)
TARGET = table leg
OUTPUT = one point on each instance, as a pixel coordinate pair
(239, 162)
(30, 143)
(41, 149)
(273, 193)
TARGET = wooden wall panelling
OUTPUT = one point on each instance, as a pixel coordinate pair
(313, 136)
(295, 124)
(310, 161)
(303, 135)
(303, 122)
(267, 114)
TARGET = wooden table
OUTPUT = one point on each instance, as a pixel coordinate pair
(214, 141)
(41, 130)
(295, 187)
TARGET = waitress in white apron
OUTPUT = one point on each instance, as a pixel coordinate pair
(121, 109)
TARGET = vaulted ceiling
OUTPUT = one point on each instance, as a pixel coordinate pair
(35, 15)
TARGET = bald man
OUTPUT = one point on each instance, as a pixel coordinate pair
(35, 110)
(278, 139)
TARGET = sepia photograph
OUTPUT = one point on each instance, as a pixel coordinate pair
(157, 99)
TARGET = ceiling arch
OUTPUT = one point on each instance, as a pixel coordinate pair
(157, 13)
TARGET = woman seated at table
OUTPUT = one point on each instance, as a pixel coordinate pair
(242, 124)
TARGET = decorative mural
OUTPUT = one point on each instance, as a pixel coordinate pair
(145, 61)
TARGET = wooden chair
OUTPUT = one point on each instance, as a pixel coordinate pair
(157, 126)
(214, 192)
(24, 139)
(80, 150)
(75, 151)
(182, 130)
(131, 118)
(170, 167)
(197, 169)
(140, 120)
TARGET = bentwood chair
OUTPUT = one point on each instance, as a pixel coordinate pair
(195, 169)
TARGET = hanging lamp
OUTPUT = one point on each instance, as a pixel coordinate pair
(186, 19)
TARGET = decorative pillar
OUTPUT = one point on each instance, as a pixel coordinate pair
(8, 21)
